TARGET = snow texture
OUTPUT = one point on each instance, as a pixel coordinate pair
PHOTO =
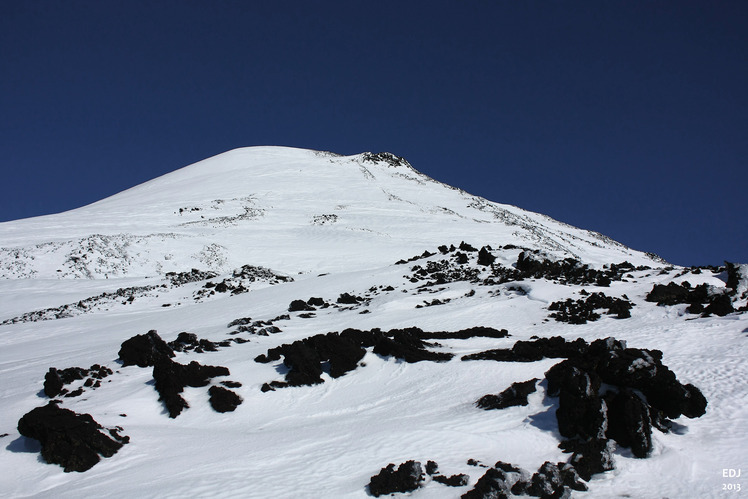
(236, 239)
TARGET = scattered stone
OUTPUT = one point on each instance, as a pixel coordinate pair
(584, 310)
(55, 380)
(195, 275)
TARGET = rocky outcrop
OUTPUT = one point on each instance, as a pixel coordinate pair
(598, 387)
(171, 377)
(406, 478)
(144, 350)
(701, 300)
(585, 310)
(74, 441)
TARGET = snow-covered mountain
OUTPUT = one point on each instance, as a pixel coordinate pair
(440, 299)
(265, 205)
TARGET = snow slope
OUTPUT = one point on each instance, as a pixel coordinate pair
(281, 208)
(321, 225)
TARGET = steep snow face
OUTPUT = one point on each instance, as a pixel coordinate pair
(288, 209)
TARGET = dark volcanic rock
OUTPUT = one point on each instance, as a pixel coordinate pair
(720, 305)
(56, 379)
(71, 440)
(144, 350)
(581, 412)
(464, 334)
(53, 383)
(406, 478)
(553, 480)
(485, 257)
(534, 350)
(347, 299)
(670, 294)
(405, 344)
(299, 306)
(643, 370)
(184, 341)
(171, 378)
(700, 299)
(515, 395)
(629, 422)
(431, 467)
(459, 480)
(584, 310)
(589, 457)
(223, 400)
(494, 484)
(342, 352)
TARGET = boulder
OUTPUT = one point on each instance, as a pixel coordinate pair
(515, 395)
(223, 400)
(144, 350)
(74, 441)
(406, 478)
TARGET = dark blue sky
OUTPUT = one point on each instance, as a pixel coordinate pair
(625, 117)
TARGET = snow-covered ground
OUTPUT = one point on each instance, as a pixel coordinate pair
(333, 225)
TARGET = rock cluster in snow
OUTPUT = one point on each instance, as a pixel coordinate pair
(74, 441)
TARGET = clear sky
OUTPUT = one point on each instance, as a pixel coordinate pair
(625, 117)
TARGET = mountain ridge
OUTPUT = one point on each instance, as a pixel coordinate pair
(283, 194)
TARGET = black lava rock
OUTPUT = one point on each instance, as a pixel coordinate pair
(485, 257)
(459, 480)
(223, 400)
(584, 310)
(184, 341)
(589, 457)
(406, 478)
(629, 422)
(71, 440)
(515, 395)
(144, 350)
(347, 299)
(494, 484)
(554, 480)
(299, 306)
(171, 378)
